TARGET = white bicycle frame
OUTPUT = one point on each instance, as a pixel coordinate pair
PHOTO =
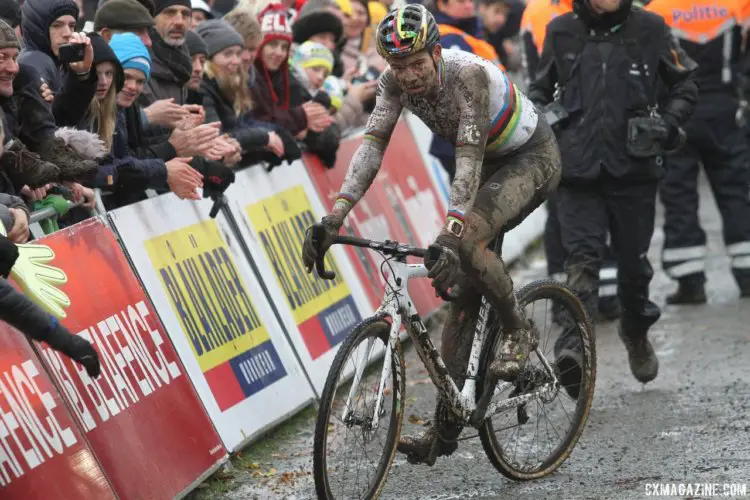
(399, 307)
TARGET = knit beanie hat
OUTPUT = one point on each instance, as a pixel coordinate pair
(165, 4)
(122, 15)
(8, 38)
(315, 18)
(131, 52)
(274, 24)
(10, 12)
(218, 35)
(311, 54)
(195, 44)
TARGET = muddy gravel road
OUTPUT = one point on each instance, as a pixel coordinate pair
(691, 425)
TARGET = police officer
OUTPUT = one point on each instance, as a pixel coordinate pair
(534, 22)
(605, 64)
(711, 33)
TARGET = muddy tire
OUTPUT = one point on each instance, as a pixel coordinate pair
(335, 393)
(577, 320)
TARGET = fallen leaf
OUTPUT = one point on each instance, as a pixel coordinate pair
(253, 466)
(287, 477)
(387, 391)
(413, 419)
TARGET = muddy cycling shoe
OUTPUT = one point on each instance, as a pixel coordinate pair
(25, 167)
(515, 348)
(569, 363)
(641, 355)
(688, 293)
(425, 447)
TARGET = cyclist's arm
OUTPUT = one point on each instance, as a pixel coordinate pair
(473, 94)
(368, 157)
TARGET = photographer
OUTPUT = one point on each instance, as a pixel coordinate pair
(603, 66)
(62, 56)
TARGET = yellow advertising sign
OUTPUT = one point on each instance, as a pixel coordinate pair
(207, 293)
(281, 221)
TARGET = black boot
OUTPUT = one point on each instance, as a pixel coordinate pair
(27, 168)
(688, 293)
(569, 362)
(644, 365)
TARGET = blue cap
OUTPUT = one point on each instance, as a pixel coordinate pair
(131, 52)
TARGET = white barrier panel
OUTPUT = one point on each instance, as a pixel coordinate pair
(516, 241)
(273, 211)
(212, 306)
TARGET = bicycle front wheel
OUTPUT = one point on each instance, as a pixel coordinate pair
(532, 439)
(354, 447)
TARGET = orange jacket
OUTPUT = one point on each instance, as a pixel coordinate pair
(536, 17)
(479, 47)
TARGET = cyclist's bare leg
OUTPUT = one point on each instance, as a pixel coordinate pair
(457, 337)
(515, 190)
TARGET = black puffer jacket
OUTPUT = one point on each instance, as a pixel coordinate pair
(72, 95)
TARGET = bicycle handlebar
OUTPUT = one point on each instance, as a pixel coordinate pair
(387, 247)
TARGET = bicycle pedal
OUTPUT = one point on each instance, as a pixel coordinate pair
(521, 414)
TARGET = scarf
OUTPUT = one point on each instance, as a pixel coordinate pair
(176, 59)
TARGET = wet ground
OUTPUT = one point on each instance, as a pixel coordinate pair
(691, 425)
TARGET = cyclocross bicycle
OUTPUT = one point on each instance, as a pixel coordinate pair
(362, 404)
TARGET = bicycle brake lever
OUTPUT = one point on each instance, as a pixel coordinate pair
(317, 234)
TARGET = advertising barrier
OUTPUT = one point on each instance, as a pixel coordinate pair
(402, 204)
(212, 306)
(275, 210)
(142, 412)
(43, 455)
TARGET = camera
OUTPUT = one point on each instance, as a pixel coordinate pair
(72, 52)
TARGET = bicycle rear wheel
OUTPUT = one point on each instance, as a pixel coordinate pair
(511, 438)
(341, 435)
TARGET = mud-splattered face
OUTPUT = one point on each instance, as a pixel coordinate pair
(417, 75)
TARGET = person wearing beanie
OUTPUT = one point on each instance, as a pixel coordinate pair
(201, 12)
(246, 24)
(219, 35)
(278, 96)
(319, 22)
(123, 16)
(45, 26)
(226, 94)
(172, 64)
(126, 178)
(29, 122)
(198, 51)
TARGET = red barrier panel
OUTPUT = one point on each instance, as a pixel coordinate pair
(142, 417)
(42, 453)
(402, 204)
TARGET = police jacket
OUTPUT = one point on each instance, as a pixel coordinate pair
(711, 34)
(607, 74)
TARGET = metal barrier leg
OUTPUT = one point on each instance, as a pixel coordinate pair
(229, 216)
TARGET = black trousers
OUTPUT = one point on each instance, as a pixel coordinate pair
(555, 253)
(716, 142)
(625, 211)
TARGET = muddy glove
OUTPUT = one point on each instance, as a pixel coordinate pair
(446, 270)
(310, 251)
(76, 348)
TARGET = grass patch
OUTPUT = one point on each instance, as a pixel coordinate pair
(257, 456)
